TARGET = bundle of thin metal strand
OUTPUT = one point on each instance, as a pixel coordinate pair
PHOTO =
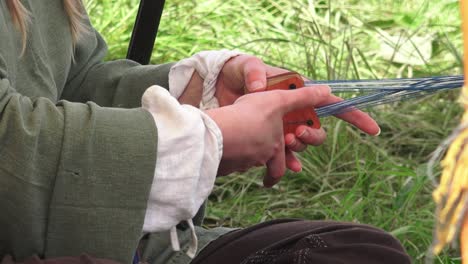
(378, 92)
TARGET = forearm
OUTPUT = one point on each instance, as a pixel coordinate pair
(119, 83)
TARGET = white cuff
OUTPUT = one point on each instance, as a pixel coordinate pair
(188, 155)
(208, 64)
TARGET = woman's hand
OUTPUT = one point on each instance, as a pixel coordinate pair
(241, 74)
(252, 129)
(248, 73)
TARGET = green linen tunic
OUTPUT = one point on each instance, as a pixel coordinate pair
(77, 153)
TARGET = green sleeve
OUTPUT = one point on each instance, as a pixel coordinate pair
(106, 169)
(74, 177)
(119, 83)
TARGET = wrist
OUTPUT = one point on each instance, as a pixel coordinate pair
(232, 158)
(207, 65)
(192, 95)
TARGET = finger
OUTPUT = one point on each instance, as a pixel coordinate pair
(293, 143)
(276, 167)
(357, 118)
(302, 98)
(310, 136)
(292, 162)
(254, 71)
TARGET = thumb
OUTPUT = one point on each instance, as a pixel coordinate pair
(254, 72)
(303, 97)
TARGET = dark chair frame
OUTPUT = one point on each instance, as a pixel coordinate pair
(145, 30)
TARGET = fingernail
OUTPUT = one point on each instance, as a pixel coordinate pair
(378, 133)
(303, 133)
(291, 142)
(297, 168)
(256, 85)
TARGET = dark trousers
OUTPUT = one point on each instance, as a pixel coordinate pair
(297, 241)
(286, 241)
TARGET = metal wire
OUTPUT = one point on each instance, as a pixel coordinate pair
(378, 92)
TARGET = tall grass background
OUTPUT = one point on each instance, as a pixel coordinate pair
(380, 181)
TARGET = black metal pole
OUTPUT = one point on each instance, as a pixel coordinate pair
(145, 30)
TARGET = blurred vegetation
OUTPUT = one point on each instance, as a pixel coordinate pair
(352, 177)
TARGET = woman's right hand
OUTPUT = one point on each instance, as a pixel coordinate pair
(252, 129)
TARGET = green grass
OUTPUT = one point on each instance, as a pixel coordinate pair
(352, 177)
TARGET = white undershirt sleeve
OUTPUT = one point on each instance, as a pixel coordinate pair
(188, 156)
(208, 65)
(189, 146)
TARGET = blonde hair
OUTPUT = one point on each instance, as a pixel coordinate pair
(21, 18)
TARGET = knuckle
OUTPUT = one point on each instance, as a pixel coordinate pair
(296, 145)
(259, 61)
(323, 91)
(276, 147)
(249, 61)
(317, 142)
(319, 138)
(254, 58)
(300, 148)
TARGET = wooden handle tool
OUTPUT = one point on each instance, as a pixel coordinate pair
(291, 120)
